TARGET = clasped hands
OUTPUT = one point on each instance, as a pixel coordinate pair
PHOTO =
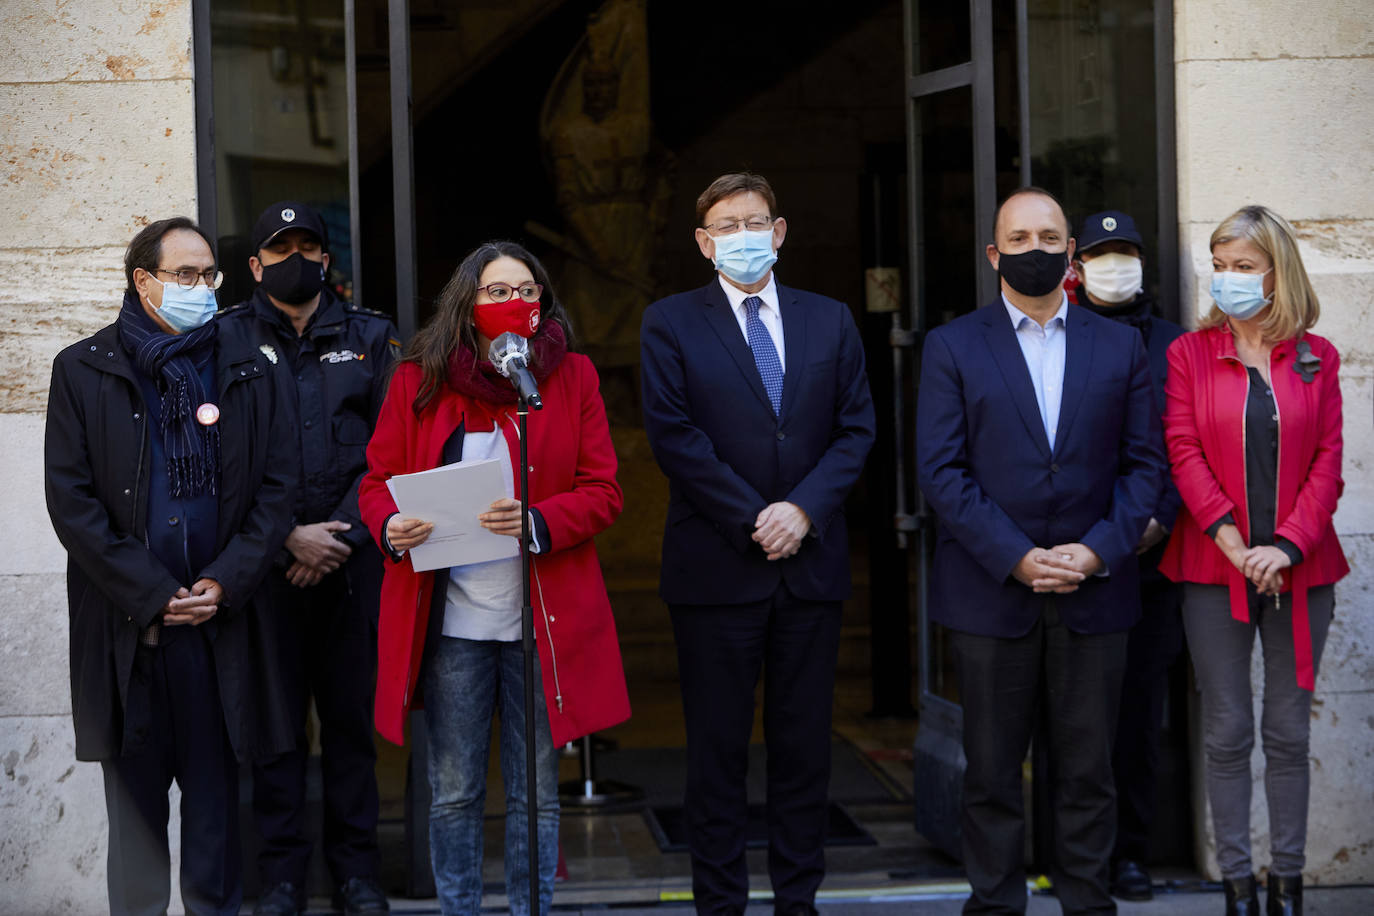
(1057, 570)
(502, 517)
(317, 552)
(194, 605)
(1262, 565)
(780, 528)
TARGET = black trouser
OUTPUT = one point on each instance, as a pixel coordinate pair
(1153, 646)
(185, 741)
(721, 651)
(327, 635)
(1003, 684)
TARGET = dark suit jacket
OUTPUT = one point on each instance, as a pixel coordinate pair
(727, 455)
(986, 468)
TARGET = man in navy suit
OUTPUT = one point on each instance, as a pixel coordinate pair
(1039, 450)
(757, 409)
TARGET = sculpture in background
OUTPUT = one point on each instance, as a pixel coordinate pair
(612, 183)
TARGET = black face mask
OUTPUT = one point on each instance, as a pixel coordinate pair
(294, 281)
(1034, 272)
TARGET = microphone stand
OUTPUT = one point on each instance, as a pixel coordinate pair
(527, 644)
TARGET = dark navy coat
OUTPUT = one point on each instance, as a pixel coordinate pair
(727, 455)
(986, 468)
(97, 454)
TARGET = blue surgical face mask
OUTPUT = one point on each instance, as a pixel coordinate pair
(1239, 295)
(187, 309)
(744, 256)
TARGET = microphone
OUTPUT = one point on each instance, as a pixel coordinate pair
(510, 354)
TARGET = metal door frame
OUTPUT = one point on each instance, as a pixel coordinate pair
(977, 74)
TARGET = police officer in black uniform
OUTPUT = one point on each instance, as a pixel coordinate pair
(338, 358)
(1110, 260)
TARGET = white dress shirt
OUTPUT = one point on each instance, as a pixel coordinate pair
(1043, 349)
(769, 313)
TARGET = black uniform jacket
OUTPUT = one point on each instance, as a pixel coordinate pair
(338, 369)
(97, 455)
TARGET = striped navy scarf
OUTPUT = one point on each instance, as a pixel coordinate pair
(170, 361)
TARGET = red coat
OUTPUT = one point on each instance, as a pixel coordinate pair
(572, 484)
(1204, 426)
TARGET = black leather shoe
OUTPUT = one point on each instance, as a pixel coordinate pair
(1242, 896)
(361, 895)
(1285, 895)
(284, 899)
(1130, 881)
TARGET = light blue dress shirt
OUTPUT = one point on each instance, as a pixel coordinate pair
(1043, 349)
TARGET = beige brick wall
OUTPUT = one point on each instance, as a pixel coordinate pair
(97, 140)
(1274, 107)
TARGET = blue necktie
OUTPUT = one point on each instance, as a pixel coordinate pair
(765, 354)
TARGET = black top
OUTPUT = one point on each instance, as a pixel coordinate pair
(1158, 334)
(1261, 469)
(339, 366)
(1261, 459)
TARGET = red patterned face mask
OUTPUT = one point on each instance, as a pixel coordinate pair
(516, 316)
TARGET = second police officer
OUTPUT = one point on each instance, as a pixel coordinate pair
(1110, 260)
(337, 357)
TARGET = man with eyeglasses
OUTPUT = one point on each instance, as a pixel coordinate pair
(170, 491)
(757, 408)
(336, 359)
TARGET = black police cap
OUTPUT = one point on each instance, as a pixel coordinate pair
(1108, 226)
(284, 215)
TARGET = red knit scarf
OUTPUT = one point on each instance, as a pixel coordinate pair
(478, 379)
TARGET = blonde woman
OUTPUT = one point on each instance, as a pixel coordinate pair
(1253, 425)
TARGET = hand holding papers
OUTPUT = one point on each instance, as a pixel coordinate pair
(452, 497)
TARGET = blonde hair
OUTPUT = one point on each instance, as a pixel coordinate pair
(1294, 308)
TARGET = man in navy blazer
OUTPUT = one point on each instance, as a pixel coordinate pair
(1039, 450)
(757, 408)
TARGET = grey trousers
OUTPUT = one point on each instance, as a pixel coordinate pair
(1220, 647)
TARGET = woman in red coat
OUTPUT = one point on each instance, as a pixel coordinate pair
(454, 634)
(1253, 424)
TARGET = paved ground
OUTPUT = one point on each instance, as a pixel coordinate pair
(936, 900)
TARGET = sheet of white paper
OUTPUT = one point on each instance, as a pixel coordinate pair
(452, 497)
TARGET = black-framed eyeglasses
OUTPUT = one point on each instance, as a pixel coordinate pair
(188, 277)
(501, 292)
(753, 224)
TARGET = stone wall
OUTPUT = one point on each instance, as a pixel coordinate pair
(97, 140)
(1273, 107)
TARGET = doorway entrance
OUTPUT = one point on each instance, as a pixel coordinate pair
(586, 128)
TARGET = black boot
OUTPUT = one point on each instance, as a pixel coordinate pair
(1285, 895)
(1242, 896)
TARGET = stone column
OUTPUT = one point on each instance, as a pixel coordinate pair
(1274, 107)
(96, 141)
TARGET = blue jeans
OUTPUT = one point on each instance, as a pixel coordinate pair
(463, 680)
